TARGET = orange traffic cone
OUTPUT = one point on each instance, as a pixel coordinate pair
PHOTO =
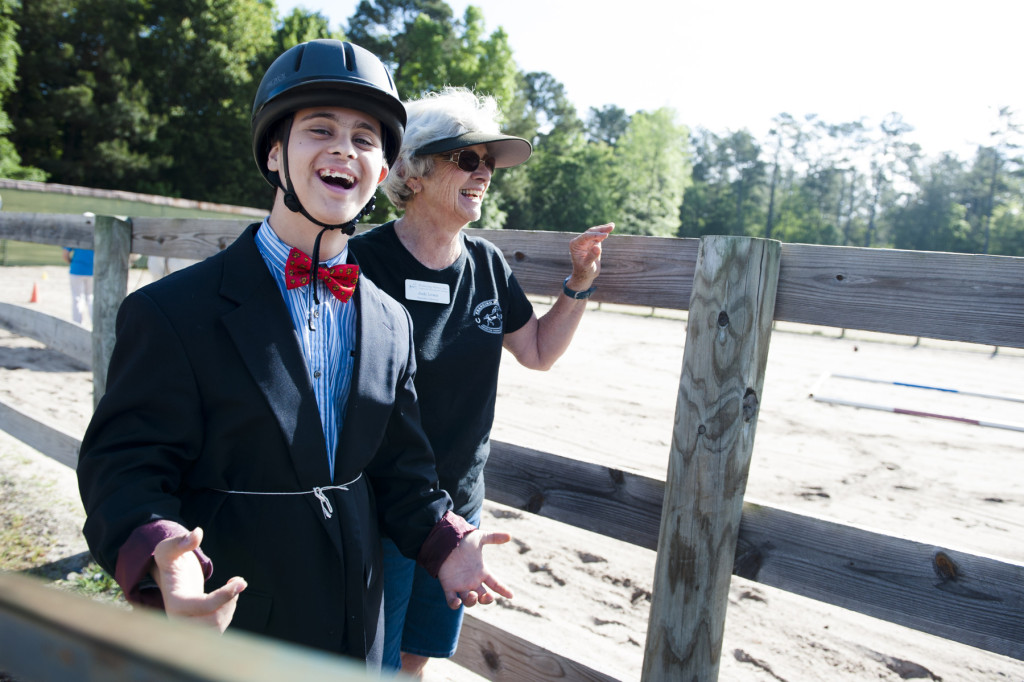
(35, 293)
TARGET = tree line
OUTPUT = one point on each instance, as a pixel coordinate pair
(155, 96)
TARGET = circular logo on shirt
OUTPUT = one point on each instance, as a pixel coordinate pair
(487, 316)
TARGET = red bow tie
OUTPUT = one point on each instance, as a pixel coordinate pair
(340, 279)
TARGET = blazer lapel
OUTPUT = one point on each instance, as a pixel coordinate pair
(372, 327)
(261, 329)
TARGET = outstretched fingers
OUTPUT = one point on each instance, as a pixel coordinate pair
(179, 575)
(493, 537)
(585, 248)
(464, 576)
(217, 608)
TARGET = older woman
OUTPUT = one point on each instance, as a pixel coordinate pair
(466, 305)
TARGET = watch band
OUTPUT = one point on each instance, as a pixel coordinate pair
(578, 295)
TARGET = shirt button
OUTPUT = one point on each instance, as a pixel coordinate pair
(316, 374)
(316, 312)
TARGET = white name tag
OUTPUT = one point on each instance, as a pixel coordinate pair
(429, 292)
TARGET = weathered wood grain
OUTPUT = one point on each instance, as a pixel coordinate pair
(112, 241)
(600, 499)
(185, 237)
(496, 654)
(724, 360)
(52, 441)
(952, 296)
(57, 229)
(49, 635)
(971, 599)
(646, 271)
(955, 297)
(60, 335)
(894, 579)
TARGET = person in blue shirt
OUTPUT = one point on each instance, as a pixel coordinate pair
(80, 274)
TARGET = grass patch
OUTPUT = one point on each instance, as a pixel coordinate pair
(20, 549)
(93, 582)
(27, 253)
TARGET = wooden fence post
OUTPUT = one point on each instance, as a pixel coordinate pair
(727, 335)
(112, 243)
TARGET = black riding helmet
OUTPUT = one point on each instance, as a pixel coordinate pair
(324, 73)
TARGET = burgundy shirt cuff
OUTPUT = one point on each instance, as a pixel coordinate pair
(444, 537)
(135, 561)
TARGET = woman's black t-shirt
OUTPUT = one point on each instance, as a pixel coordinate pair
(460, 315)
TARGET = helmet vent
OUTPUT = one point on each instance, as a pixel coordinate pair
(299, 52)
(350, 56)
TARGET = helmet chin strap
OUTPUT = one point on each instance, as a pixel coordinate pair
(291, 200)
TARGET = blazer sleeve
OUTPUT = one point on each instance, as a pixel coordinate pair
(141, 439)
(409, 501)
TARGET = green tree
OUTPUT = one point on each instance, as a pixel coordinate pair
(788, 135)
(1008, 227)
(204, 58)
(427, 49)
(607, 124)
(302, 26)
(892, 158)
(728, 186)
(381, 26)
(801, 218)
(10, 160)
(652, 163)
(846, 142)
(994, 166)
(571, 186)
(934, 219)
(143, 95)
(541, 112)
(79, 112)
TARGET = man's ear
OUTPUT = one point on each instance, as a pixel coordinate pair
(273, 157)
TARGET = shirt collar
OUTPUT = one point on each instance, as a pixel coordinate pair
(276, 251)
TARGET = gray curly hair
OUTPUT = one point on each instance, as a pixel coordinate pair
(436, 116)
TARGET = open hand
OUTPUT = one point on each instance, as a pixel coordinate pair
(180, 577)
(585, 251)
(464, 577)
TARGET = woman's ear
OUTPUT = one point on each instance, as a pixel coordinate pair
(383, 173)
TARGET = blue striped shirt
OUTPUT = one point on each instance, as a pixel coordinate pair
(329, 349)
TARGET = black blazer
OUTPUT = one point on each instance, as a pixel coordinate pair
(208, 392)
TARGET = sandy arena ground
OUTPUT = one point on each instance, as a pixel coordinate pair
(611, 400)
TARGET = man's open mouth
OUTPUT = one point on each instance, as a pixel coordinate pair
(338, 179)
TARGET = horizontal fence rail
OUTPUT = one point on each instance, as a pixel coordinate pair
(47, 634)
(60, 335)
(954, 297)
(970, 599)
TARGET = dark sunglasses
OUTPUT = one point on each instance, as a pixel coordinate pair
(468, 160)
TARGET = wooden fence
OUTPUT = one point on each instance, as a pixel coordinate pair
(696, 519)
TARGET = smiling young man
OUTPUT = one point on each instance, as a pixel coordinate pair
(260, 414)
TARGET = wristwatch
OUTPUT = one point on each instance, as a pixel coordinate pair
(578, 295)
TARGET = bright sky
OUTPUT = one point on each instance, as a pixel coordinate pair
(946, 65)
